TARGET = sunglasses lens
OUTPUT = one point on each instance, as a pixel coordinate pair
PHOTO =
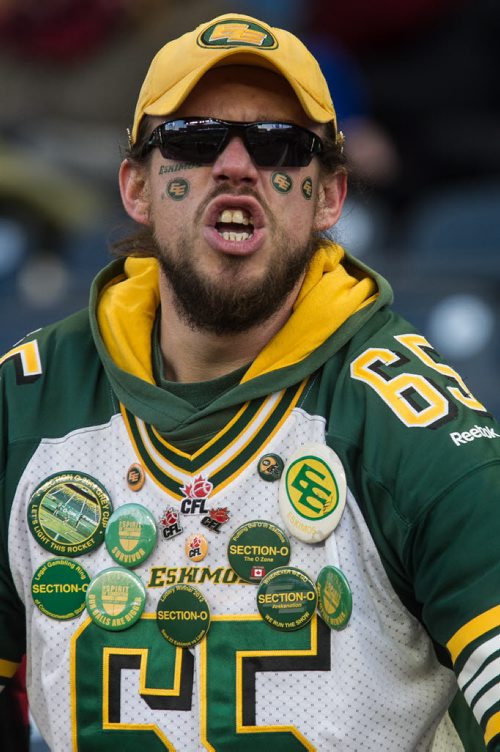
(193, 142)
(279, 145)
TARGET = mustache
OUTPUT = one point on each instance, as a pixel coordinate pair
(225, 190)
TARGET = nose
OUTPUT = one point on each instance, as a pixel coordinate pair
(235, 165)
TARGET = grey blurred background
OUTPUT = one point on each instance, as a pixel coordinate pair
(416, 90)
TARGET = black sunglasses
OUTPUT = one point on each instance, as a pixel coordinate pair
(201, 140)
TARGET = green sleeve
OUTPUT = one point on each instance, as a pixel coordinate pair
(12, 620)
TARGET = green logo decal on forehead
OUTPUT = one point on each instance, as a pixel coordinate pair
(235, 32)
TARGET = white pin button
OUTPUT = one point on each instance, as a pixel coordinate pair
(312, 492)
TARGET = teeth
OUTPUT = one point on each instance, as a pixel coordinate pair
(235, 236)
(235, 216)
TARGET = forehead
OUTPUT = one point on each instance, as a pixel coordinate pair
(237, 92)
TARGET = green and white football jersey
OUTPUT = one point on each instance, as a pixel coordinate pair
(83, 415)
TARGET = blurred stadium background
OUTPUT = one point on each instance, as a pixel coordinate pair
(416, 90)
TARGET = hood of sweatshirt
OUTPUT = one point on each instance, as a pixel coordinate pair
(338, 295)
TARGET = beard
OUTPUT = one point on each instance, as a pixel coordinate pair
(231, 303)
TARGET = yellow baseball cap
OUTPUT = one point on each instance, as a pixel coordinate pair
(232, 39)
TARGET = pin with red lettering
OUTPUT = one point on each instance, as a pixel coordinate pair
(312, 492)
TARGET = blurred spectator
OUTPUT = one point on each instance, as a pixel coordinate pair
(58, 30)
(370, 151)
(361, 25)
(431, 68)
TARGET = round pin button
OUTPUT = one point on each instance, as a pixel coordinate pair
(115, 599)
(312, 492)
(131, 535)
(270, 467)
(183, 615)
(256, 548)
(68, 513)
(334, 597)
(58, 588)
(135, 477)
(287, 598)
(196, 547)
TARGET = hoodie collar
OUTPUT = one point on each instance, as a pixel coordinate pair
(334, 289)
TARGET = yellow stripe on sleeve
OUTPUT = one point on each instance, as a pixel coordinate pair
(8, 669)
(472, 630)
(492, 727)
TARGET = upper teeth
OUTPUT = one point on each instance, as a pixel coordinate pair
(233, 216)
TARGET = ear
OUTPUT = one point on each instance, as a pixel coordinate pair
(331, 196)
(134, 191)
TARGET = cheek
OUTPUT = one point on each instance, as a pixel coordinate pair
(293, 198)
(285, 184)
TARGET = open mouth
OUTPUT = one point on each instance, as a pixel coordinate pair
(234, 225)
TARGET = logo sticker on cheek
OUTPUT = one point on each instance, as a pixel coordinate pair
(307, 188)
(177, 189)
(281, 182)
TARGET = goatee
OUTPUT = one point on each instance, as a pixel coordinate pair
(233, 304)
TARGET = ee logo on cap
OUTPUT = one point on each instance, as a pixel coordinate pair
(234, 32)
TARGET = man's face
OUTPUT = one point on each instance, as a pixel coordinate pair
(234, 239)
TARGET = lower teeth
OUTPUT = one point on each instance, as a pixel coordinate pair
(235, 236)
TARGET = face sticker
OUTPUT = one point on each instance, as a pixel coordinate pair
(178, 166)
(177, 189)
(307, 188)
(281, 182)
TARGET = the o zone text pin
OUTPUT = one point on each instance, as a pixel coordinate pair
(312, 492)
(256, 548)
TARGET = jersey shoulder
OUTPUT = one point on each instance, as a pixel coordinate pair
(407, 414)
(54, 379)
